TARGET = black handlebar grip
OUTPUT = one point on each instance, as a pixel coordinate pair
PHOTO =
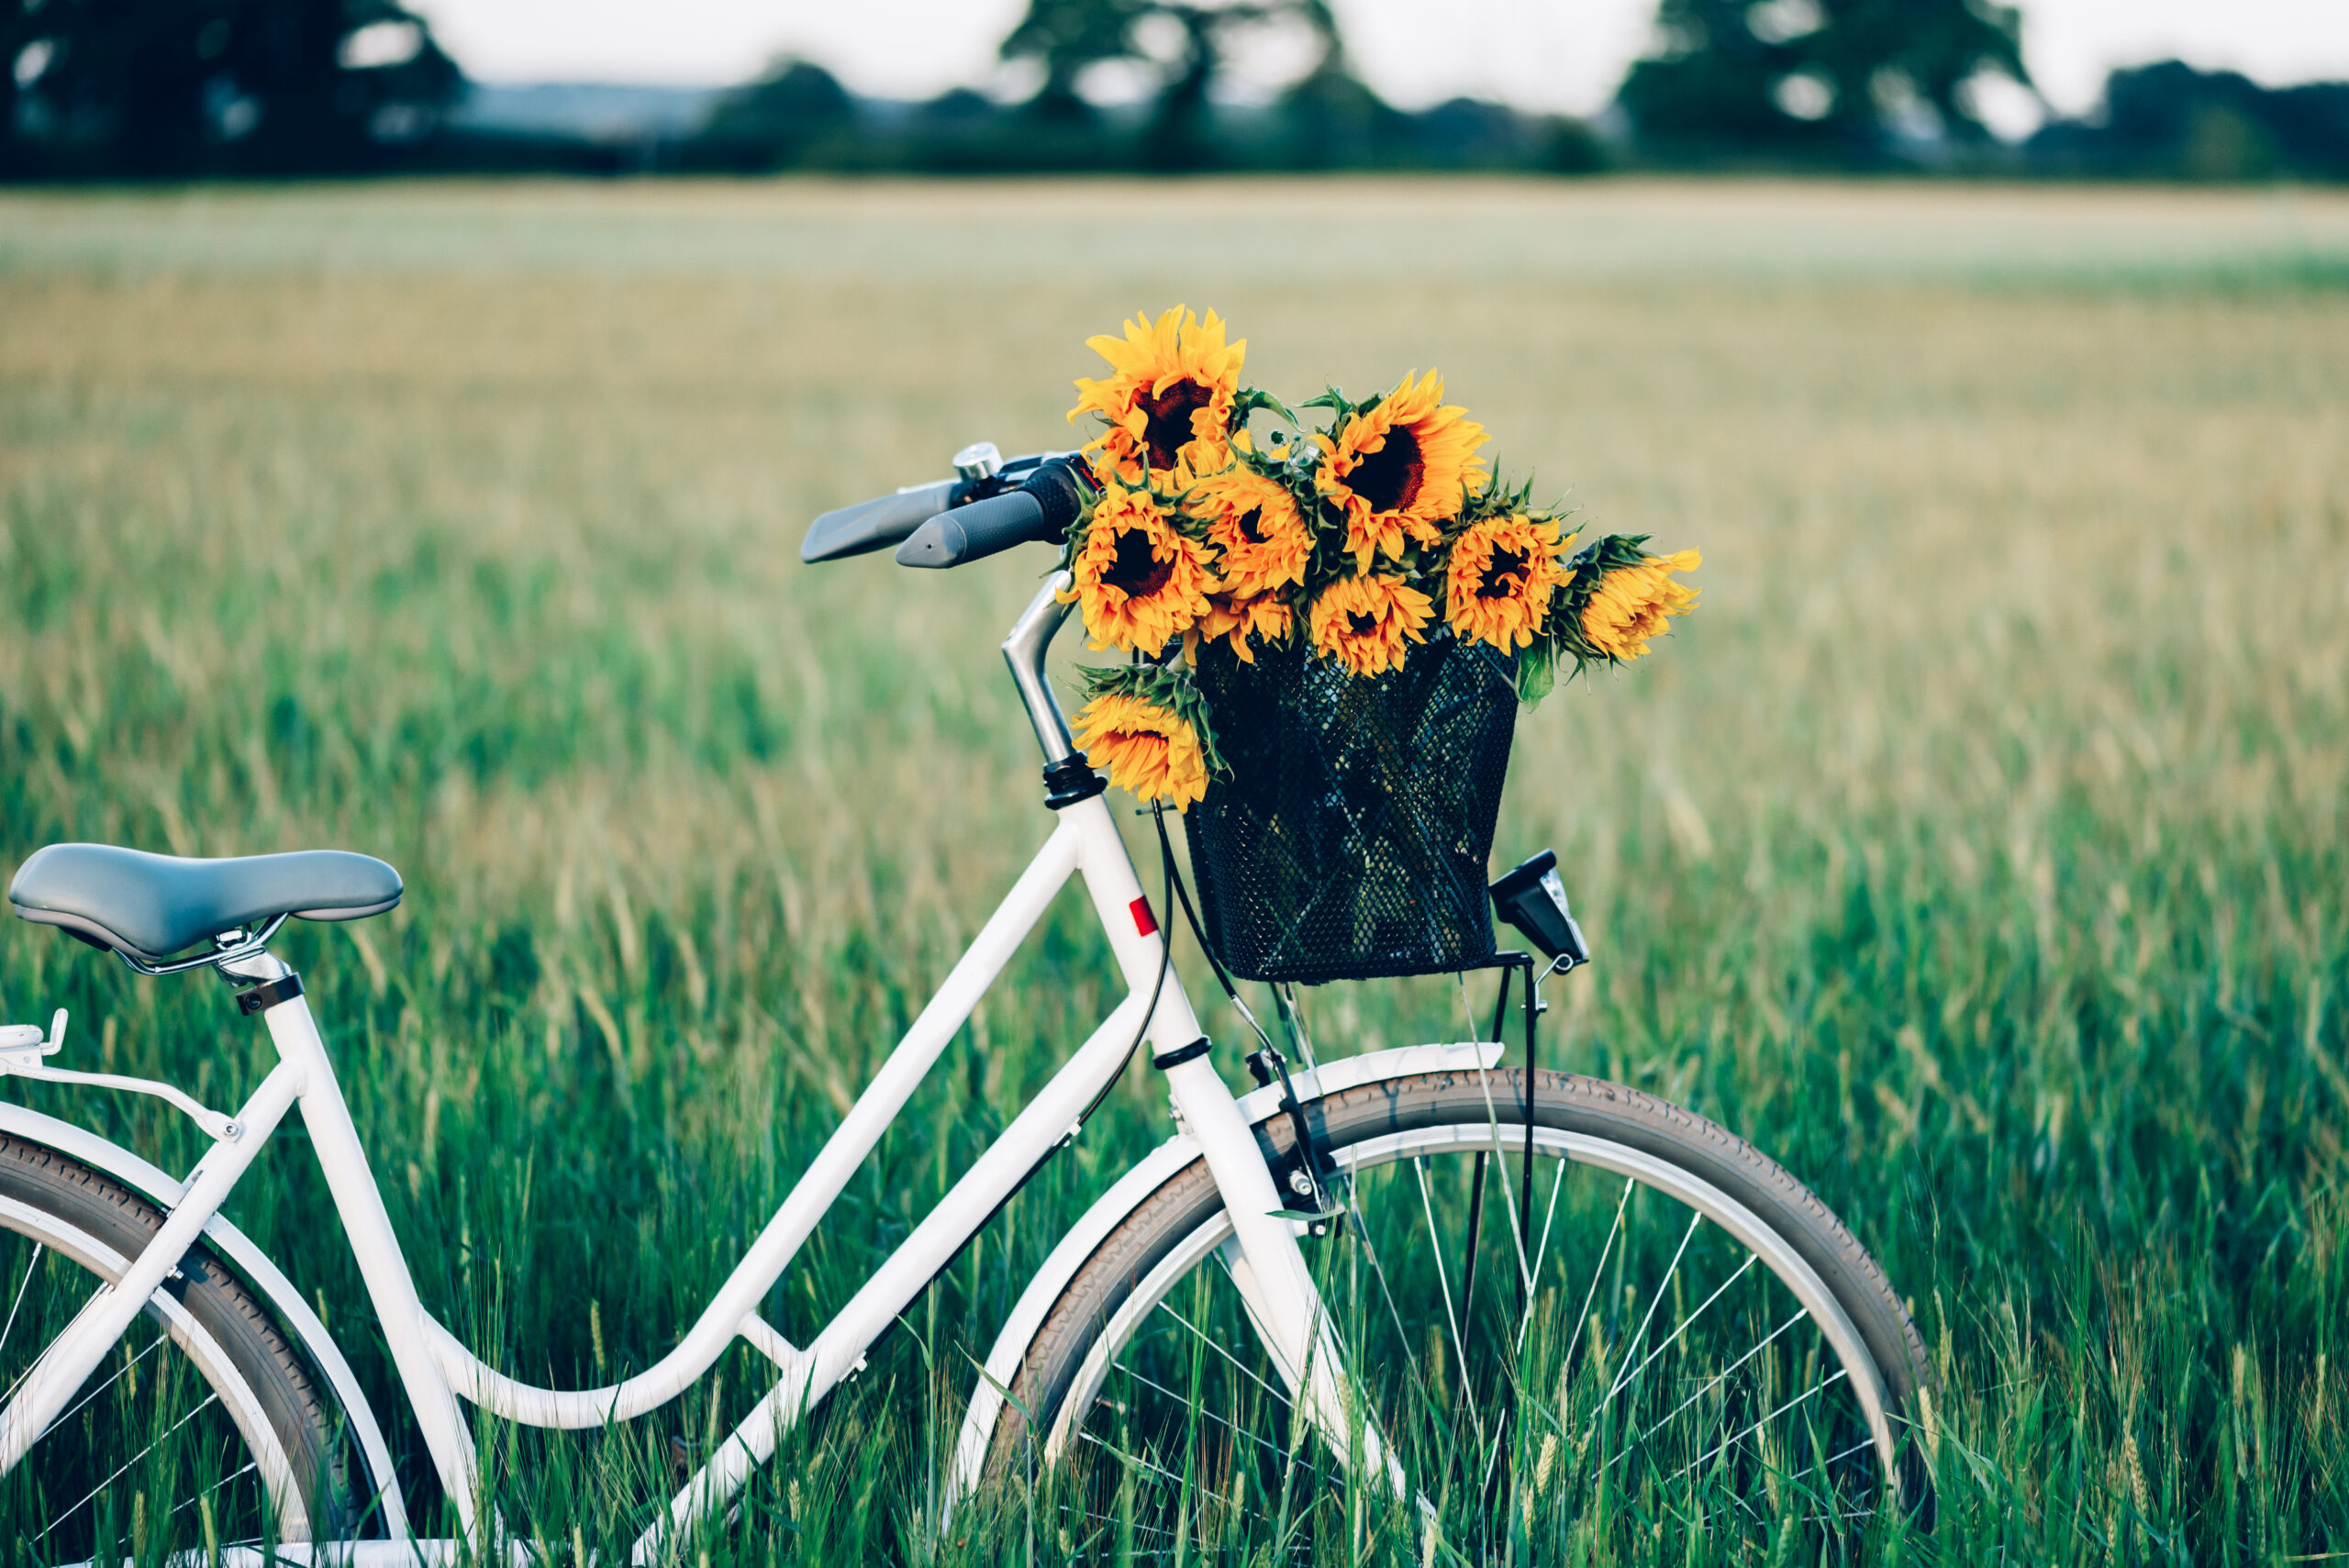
(1040, 511)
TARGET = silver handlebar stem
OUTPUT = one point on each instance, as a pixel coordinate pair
(1024, 650)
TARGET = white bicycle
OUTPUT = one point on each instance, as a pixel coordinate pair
(1425, 1275)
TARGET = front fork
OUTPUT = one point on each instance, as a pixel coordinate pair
(1277, 1282)
(1280, 1292)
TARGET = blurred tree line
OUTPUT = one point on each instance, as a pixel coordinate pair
(178, 89)
(1180, 103)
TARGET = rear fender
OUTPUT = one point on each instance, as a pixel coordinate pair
(237, 1249)
(1111, 1211)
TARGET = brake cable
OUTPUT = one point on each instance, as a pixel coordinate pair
(1266, 1064)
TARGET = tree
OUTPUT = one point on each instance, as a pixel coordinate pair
(778, 121)
(1188, 47)
(1837, 77)
(2168, 120)
(151, 88)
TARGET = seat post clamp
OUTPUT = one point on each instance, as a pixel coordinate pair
(1181, 1053)
(267, 994)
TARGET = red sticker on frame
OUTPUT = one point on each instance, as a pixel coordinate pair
(1143, 921)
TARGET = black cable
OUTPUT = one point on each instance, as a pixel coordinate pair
(1223, 978)
(1166, 856)
(1165, 965)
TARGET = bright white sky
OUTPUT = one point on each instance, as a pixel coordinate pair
(1555, 54)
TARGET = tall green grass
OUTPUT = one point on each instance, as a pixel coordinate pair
(1977, 850)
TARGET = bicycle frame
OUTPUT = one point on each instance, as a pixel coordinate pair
(435, 1369)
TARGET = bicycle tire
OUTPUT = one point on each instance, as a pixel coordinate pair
(1455, 1104)
(226, 1335)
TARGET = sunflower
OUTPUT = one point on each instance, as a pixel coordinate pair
(1139, 579)
(1253, 521)
(1362, 622)
(1633, 603)
(1152, 753)
(1168, 400)
(1502, 572)
(1401, 469)
(1245, 620)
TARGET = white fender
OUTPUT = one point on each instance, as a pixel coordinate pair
(1112, 1208)
(237, 1249)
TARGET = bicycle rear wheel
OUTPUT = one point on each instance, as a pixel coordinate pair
(1680, 1326)
(205, 1417)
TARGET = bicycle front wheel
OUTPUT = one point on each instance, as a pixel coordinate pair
(1663, 1316)
(202, 1426)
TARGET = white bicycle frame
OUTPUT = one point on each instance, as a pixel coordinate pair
(436, 1371)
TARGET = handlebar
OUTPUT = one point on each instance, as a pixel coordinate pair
(877, 524)
(1039, 512)
(953, 521)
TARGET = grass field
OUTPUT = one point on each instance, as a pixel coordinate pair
(1978, 849)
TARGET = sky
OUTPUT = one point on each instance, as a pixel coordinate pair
(1541, 54)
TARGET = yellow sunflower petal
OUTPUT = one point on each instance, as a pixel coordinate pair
(1168, 400)
(1255, 524)
(1500, 580)
(1365, 623)
(1245, 620)
(1634, 604)
(1399, 471)
(1148, 751)
(1138, 580)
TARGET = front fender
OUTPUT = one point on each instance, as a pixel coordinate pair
(237, 1249)
(1111, 1208)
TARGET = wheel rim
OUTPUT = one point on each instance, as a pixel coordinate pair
(1675, 1343)
(162, 1436)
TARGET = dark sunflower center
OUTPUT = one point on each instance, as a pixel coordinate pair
(1504, 576)
(1135, 571)
(1363, 625)
(1167, 427)
(1389, 478)
(1249, 524)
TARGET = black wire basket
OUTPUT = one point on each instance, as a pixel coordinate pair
(1349, 840)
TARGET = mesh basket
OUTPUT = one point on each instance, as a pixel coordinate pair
(1349, 840)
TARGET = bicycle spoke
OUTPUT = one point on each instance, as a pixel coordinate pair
(1509, 1195)
(1583, 1316)
(1227, 1355)
(1677, 1379)
(1815, 1389)
(1136, 1526)
(214, 1489)
(1468, 1251)
(1108, 1447)
(1444, 1283)
(1198, 1409)
(1691, 1319)
(1865, 1443)
(23, 1285)
(209, 1400)
(1653, 1303)
(88, 1307)
(1709, 1387)
(1394, 1314)
(1547, 1215)
(110, 1381)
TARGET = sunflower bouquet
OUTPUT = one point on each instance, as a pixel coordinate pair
(1329, 631)
(1356, 542)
